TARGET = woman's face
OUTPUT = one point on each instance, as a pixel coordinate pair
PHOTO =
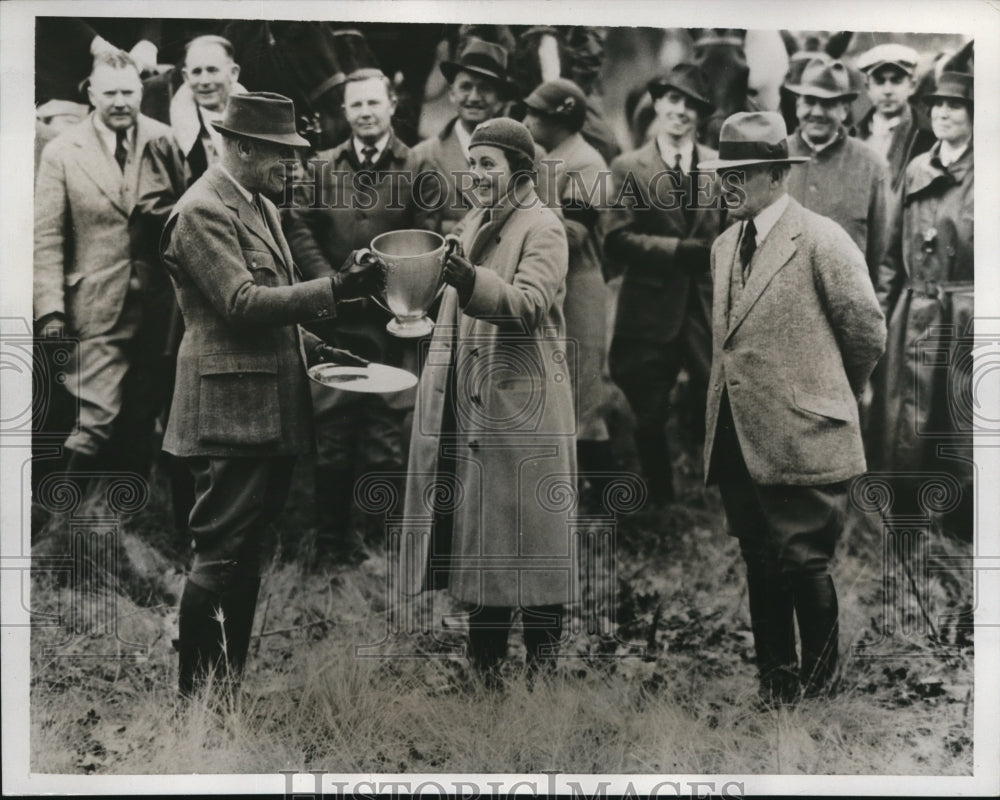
(492, 171)
(951, 121)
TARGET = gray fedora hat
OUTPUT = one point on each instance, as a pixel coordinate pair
(753, 137)
(261, 115)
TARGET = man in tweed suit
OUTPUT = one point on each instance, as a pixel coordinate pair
(241, 409)
(796, 331)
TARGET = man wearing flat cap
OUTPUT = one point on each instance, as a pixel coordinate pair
(843, 178)
(479, 88)
(662, 235)
(796, 331)
(892, 127)
(241, 412)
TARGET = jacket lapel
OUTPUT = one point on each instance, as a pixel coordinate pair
(246, 212)
(99, 166)
(778, 248)
(725, 260)
(654, 164)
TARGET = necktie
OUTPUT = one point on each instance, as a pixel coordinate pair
(684, 181)
(368, 164)
(121, 151)
(748, 246)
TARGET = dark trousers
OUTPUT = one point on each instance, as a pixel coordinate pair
(235, 501)
(489, 627)
(787, 537)
(647, 373)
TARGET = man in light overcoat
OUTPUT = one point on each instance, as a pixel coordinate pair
(796, 331)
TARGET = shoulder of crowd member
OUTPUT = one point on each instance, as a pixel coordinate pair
(153, 127)
(864, 151)
(828, 239)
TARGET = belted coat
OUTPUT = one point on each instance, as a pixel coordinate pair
(506, 422)
(924, 394)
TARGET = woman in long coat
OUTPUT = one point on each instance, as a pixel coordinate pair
(924, 408)
(492, 463)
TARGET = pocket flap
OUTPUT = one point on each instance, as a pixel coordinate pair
(260, 259)
(229, 363)
(73, 278)
(818, 404)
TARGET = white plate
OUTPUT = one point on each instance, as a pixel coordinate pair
(375, 378)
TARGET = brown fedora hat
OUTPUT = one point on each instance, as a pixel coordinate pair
(686, 79)
(480, 58)
(261, 115)
(825, 79)
(752, 137)
(953, 86)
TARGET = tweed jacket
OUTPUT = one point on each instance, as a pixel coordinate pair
(849, 183)
(644, 236)
(85, 250)
(241, 387)
(794, 351)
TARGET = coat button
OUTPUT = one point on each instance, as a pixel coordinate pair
(474, 352)
(473, 445)
(477, 399)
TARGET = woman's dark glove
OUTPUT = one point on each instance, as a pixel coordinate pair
(459, 272)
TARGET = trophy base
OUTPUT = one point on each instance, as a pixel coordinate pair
(411, 328)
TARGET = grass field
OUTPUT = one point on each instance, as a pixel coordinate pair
(669, 687)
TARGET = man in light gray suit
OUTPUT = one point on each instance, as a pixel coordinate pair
(241, 407)
(94, 278)
(796, 331)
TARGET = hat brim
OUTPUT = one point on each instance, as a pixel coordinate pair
(928, 99)
(726, 163)
(451, 68)
(705, 107)
(289, 139)
(909, 69)
(825, 94)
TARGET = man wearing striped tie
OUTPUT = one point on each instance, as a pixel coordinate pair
(796, 331)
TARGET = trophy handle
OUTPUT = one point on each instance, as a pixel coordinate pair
(366, 256)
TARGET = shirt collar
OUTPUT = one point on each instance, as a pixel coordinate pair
(109, 137)
(819, 148)
(379, 146)
(242, 189)
(669, 152)
(948, 155)
(767, 217)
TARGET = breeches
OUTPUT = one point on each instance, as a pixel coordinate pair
(235, 501)
(793, 529)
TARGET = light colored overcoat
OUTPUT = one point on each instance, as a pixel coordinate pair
(795, 350)
(515, 428)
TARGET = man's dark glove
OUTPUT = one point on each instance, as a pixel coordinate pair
(325, 354)
(459, 272)
(361, 276)
(695, 254)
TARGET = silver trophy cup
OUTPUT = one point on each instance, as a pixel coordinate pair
(414, 262)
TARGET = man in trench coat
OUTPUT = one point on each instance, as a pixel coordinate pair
(241, 408)
(796, 331)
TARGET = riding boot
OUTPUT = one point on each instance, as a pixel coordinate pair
(654, 457)
(595, 461)
(773, 626)
(819, 630)
(199, 641)
(336, 540)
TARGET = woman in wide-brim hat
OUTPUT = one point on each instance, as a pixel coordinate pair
(926, 290)
(494, 423)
